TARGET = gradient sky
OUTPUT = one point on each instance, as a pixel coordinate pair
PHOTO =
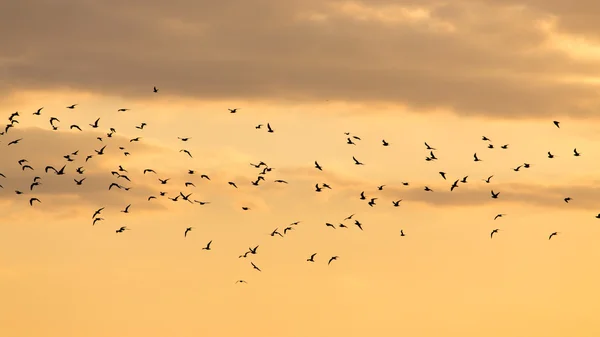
(443, 72)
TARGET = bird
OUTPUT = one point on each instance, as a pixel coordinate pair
(358, 224)
(499, 216)
(454, 185)
(475, 157)
(385, 143)
(318, 167)
(493, 232)
(126, 210)
(254, 266)
(356, 162)
(443, 174)
(269, 128)
(207, 246)
(97, 212)
(575, 153)
(402, 233)
(429, 147)
(32, 200)
(495, 195)
(16, 141)
(312, 258)
(187, 230)
(567, 199)
(557, 124)
(396, 203)
(72, 106)
(333, 258)
(552, 234)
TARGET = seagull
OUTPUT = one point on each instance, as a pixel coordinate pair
(553, 234)
(275, 232)
(187, 230)
(356, 162)
(499, 216)
(575, 153)
(492, 233)
(475, 156)
(97, 212)
(207, 246)
(312, 258)
(556, 123)
(495, 195)
(429, 147)
(332, 259)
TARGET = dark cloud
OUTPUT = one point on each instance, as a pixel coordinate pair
(43, 148)
(469, 194)
(493, 65)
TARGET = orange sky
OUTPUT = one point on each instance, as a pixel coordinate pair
(445, 74)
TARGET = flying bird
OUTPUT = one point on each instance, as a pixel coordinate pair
(493, 232)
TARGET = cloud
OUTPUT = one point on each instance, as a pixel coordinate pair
(426, 55)
(466, 195)
(43, 148)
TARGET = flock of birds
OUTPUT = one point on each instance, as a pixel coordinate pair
(120, 174)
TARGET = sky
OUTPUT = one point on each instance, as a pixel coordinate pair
(407, 72)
